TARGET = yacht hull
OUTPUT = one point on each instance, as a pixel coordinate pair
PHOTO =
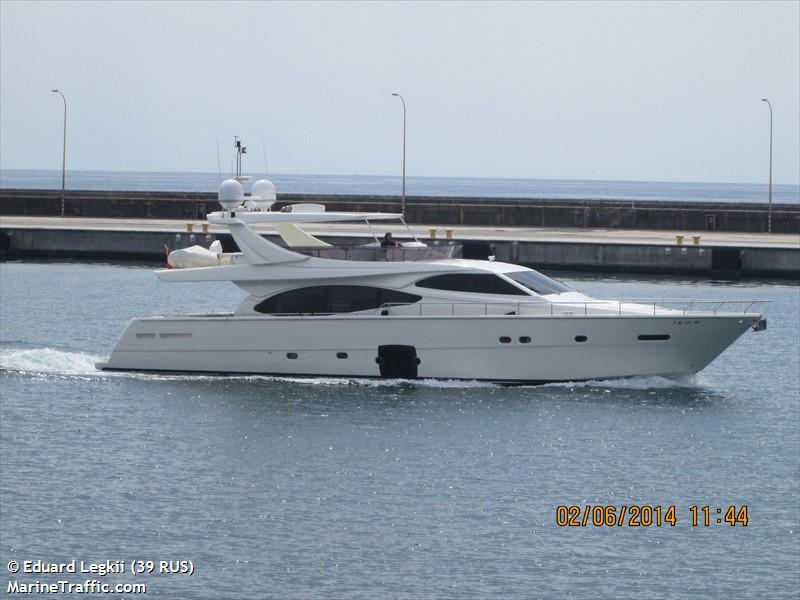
(508, 348)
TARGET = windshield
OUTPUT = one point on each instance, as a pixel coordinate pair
(541, 284)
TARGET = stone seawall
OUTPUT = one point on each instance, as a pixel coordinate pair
(534, 212)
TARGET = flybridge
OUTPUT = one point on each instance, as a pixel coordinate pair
(241, 209)
(256, 206)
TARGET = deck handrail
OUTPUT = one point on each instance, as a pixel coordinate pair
(571, 309)
(581, 308)
(379, 254)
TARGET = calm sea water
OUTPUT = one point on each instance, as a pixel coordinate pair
(415, 186)
(321, 488)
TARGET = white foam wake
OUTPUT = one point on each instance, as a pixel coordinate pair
(47, 361)
(369, 382)
(652, 382)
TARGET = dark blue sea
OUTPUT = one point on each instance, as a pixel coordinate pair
(323, 488)
(552, 189)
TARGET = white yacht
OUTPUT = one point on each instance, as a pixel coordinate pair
(412, 311)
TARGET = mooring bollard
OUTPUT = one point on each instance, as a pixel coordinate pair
(696, 240)
(448, 234)
(189, 227)
(679, 240)
(205, 227)
(433, 232)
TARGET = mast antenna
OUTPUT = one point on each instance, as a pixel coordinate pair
(219, 168)
(240, 150)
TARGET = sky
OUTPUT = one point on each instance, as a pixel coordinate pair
(653, 91)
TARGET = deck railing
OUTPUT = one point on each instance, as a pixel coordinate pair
(592, 308)
(376, 253)
(579, 309)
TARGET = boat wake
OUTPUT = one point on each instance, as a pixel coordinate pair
(53, 362)
(652, 382)
(47, 361)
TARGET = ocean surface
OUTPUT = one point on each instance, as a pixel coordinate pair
(553, 189)
(324, 488)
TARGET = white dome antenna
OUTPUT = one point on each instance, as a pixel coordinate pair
(263, 194)
(230, 194)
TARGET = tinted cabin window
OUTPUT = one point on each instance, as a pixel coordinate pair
(476, 283)
(541, 284)
(324, 299)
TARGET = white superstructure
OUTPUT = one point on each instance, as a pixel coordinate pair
(409, 311)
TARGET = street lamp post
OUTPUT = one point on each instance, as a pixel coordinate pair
(63, 151)
(403, 205)
(769, 209)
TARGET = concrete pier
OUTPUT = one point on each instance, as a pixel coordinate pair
(719, 254)
(480, 212)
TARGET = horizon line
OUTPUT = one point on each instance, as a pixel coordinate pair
(261, 174)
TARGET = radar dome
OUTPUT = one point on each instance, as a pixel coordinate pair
(263, 193)
(230, 194)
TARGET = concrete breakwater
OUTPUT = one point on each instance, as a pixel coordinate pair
(715, 254)
(498, 212)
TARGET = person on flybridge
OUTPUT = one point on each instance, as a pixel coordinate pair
(388, 242)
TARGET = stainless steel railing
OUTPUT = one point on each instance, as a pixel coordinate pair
(376, 253)
(589, 308)
(578, 309)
